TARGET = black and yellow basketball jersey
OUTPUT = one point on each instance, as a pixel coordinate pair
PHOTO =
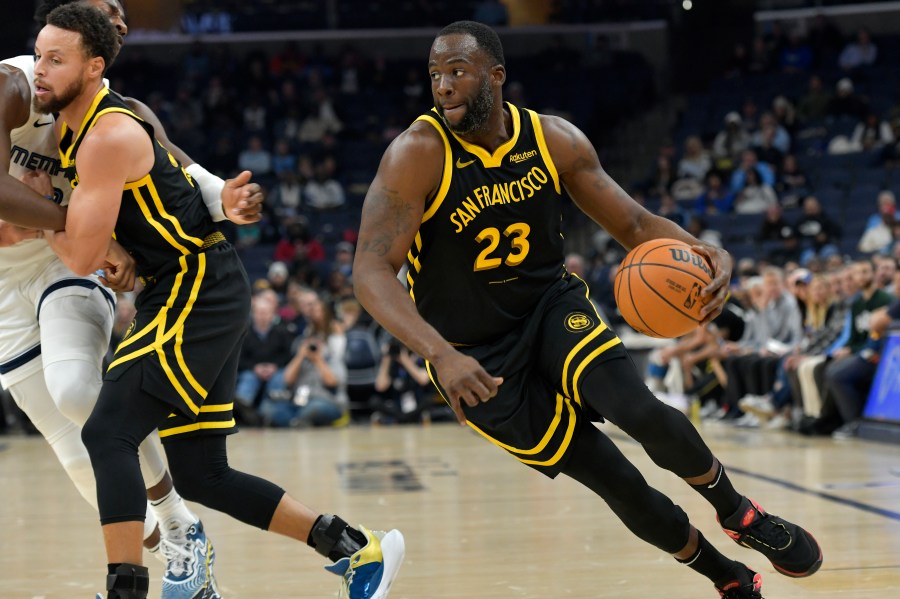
(489, 244)
(162, 216)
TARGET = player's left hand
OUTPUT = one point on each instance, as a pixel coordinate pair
(242, 200)
(715, 294)
(119, 268)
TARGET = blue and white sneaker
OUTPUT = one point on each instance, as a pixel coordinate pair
(370, 572)
(190, 558)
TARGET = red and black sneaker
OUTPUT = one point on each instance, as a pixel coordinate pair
(746, 584)
(793, 551)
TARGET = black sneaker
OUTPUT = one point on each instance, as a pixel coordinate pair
(793, 551)
(745, 584)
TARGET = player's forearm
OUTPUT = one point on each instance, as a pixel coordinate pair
(385, 298)
(80, 256)
(20, 205)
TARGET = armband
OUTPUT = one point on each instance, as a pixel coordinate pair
(210, 188)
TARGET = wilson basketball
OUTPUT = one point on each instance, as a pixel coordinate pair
(658, 287)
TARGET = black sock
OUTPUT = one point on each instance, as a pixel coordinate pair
(720, 494)
(708, 561)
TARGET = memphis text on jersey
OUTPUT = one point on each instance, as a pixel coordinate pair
(507, 192)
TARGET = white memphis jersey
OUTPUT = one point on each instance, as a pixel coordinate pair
(33, 147)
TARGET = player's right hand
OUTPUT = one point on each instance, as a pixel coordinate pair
(464, 380)
(242, 200)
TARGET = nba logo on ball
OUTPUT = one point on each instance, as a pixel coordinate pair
(658, 287)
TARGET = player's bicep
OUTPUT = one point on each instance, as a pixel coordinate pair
(588, 184)
(394, 205)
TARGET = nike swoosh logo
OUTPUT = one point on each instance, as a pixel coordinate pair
(40, 124)
(461, 164)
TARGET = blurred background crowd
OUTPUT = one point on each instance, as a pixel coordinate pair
(773, 133)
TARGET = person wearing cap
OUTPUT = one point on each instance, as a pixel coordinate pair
(730, 142)
(846, 102)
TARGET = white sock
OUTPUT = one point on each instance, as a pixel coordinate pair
(172, 512)
(149, 522)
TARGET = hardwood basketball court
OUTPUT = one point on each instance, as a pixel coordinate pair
(477, 523)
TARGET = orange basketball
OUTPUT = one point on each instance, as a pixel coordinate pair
(658, 287)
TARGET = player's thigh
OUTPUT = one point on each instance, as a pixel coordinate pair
(76, 321)
(33, 398)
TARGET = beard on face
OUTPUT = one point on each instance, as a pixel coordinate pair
(57, 103)
(478, 111)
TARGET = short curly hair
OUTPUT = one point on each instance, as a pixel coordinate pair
(486, 38)
(98, 36)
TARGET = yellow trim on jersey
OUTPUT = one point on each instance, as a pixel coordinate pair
(496, 159)
(147, 182)
(548, 436)
(542, 144)
(179, 354)
(446, 176)
(67, 155)
(565, 372)
(570, 430)
(224, 407)
(189, 428)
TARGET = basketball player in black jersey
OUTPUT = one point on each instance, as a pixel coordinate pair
(468, 199)
(175, 369)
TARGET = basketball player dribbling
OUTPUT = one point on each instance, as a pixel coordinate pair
(468, 197)
(56, 326)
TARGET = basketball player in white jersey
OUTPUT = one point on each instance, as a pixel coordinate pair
(55, 326)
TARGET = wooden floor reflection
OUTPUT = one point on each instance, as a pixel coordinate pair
(477, 524)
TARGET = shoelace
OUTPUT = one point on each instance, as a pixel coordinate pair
(179, 552)
(775, 534)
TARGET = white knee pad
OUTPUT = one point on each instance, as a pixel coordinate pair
(75, 324)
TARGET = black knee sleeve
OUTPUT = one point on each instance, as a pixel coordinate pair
(200, 472)
(618, 393)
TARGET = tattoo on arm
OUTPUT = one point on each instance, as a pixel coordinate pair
(391, 218)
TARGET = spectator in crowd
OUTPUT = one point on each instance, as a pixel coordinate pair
(265, 352)
(778, 236)
(322, 119)
(662, 177)
(885, 273)
(324, 192)
(878, 234)
(286, 199)
(403, 385)
(846, 102)
(255, 157)
(756, 196)
(780, 327)
(797, 56)
(669, 208)
(343, 258)
(872, 134)
(695, 162)
(316, 376)
(698, 227)
(730, 142)
(771, 134)
(842, 372)
(278, 277)
(791, 182)
(739, 62)
(716, 199)
(814, 105)
(283, 160)
(298, 246)
(764, 145)
(819, 234)
(785, 114)
(859, 53)
(750, 162)
(361, 358)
